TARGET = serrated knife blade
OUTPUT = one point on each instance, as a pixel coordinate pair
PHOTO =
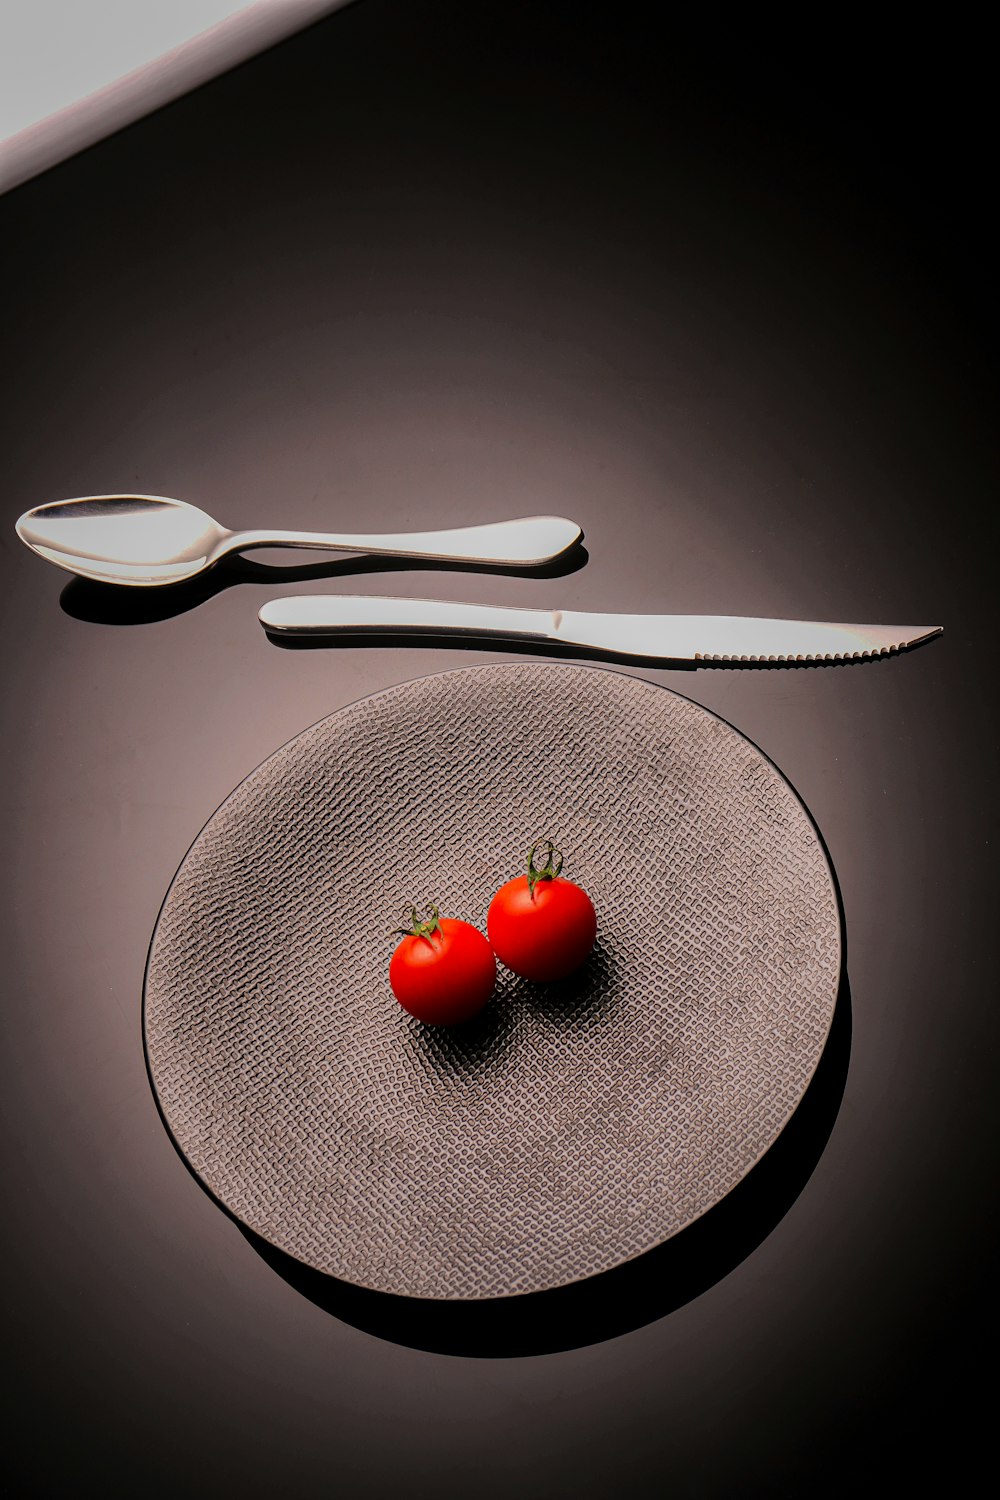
(706, 639)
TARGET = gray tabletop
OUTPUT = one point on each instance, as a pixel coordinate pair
(425, 265)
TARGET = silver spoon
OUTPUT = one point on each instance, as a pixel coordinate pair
(144, 540)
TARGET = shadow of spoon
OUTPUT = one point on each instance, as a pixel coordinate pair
(113, 604)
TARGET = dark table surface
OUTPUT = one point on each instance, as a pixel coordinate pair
(722, 296)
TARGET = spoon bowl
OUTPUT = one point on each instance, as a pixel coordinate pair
(152, 540)
(130, 539)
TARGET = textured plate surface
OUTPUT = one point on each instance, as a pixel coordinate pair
(564, 1130)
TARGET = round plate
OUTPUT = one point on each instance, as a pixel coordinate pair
(566, 1129)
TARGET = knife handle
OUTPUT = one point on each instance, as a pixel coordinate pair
(363, 614)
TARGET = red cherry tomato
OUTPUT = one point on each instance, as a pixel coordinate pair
(541, 926)
(443, 971)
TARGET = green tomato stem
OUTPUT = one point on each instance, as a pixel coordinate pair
(418, 928)
(549, 871)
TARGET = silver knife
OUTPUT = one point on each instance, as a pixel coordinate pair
(692, 638)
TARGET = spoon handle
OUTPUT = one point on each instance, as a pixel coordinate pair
(527, 542)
